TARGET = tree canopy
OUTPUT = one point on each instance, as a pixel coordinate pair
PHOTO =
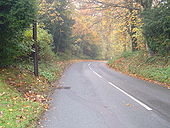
(90, 28)
(16, 16)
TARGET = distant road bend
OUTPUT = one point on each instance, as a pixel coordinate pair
(103, 98)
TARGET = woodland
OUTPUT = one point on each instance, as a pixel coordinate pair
(89, 29)
(132, 35)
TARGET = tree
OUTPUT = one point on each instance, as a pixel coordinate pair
(129, 8)
(16, 16)
(56, 16)
(157, 28)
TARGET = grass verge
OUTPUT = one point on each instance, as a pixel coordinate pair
(154, 69)
(23, 97)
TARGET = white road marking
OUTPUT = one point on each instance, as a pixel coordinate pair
(139, 102)
(136, 100)
(97, 74)
(94, 71)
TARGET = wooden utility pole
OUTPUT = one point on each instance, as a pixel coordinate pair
(35, 48)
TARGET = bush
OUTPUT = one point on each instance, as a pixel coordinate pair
(45, 44)
(44, 41)
(126, 54)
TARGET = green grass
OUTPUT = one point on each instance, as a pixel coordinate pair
(16, 111)
(155, 68)
(161, 74)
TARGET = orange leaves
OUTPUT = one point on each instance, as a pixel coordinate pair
(46, 106)
(34, 97)
(18, 108)
(15, 82)
(84, 27)
(26, 106)
(119, 60)
(128, 105)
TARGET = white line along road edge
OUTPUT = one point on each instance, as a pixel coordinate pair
(136, 100)
(139, 102)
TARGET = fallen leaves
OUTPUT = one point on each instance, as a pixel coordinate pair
(20, 118)
(10, 110)
(35, 97)
(3, 93)
(1, 114)
(46, 106)
(18, 108)
(127, 66)
(128, 105)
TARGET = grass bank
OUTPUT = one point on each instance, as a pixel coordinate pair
(154, 69)
(23, 97)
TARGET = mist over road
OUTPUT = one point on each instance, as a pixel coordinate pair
(103, 98)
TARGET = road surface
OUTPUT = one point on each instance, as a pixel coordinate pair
(103, 98)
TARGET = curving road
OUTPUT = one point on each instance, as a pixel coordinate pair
(102, 98)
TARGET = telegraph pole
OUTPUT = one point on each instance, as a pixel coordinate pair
(35, 48)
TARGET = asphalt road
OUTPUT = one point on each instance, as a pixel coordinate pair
(102, 98)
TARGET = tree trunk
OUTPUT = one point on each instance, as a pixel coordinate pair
(131, 32)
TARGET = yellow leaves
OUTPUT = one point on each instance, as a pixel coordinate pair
(48, 10)
(51, 8)
(104, 22)
(78, 40)
(84, 27)
(53, 14)
(3, 93)
(41, 12)
(10, 110)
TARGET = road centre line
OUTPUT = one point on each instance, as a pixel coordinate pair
(94, 71)
(136, 100)
(97, 74)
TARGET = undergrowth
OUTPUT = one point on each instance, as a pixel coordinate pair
(16, 111)
(23, 97)
(156, 68)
